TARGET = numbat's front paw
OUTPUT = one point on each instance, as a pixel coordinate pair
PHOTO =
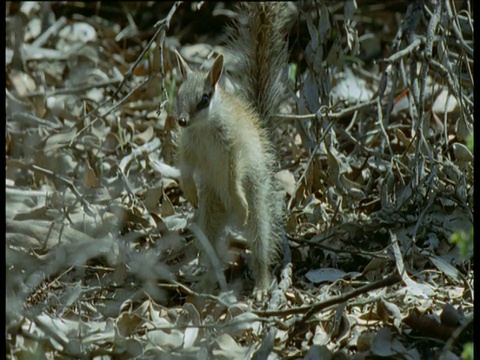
(260, 294)
(190, 192)
(242, 210)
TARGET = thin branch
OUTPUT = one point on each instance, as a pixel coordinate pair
(334, 300)
(456, 30)
(407, 51)
(66, 181)
(74, 90)
(329, 114)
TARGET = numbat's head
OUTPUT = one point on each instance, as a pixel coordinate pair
(197, 92)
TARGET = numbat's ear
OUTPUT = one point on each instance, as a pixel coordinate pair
(216, 70)
(182, 65)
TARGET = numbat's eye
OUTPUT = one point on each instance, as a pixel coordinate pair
(203, 102)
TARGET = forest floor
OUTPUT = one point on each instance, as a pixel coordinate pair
(375, 150)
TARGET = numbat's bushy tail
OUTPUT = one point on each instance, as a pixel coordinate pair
(258, 41)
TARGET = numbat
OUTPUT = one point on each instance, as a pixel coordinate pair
(225, 155)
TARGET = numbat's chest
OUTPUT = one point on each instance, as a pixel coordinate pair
(213, 156)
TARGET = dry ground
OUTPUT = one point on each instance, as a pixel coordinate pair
(375, 146)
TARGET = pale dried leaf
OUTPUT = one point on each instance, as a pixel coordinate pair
(318, 276)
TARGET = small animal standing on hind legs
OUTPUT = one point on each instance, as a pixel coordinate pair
(225, 155)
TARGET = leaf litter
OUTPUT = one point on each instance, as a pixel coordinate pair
(101, 260)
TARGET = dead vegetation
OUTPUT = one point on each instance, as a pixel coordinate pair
(375, 147)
